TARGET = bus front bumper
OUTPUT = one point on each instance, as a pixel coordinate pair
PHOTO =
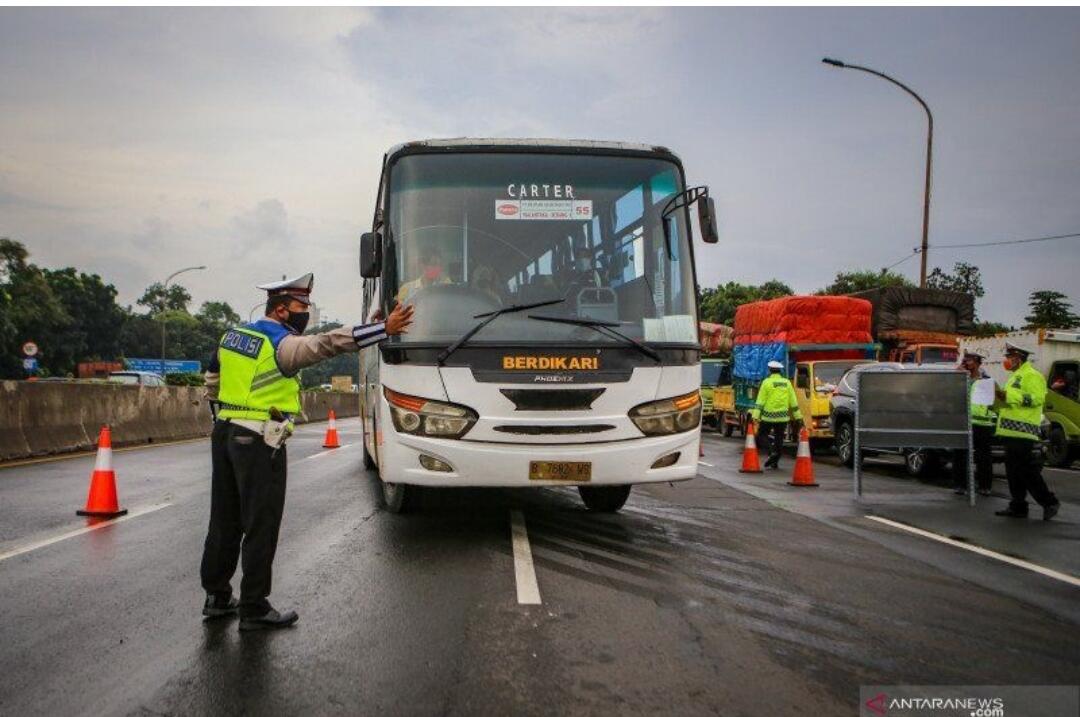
(479, 464)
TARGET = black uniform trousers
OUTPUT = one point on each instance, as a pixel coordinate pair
(247, 498)
(1023, 467)
(981, 439)
(771, 436)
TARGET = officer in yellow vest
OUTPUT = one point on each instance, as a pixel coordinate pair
(983, 420)
(1020, 406)
(253, 381)
(776, 406)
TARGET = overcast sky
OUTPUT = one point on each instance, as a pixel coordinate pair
(135, 142)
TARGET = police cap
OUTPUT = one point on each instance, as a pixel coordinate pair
(1013, 348)
(298, 288)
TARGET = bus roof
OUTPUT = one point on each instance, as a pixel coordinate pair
(573, 145)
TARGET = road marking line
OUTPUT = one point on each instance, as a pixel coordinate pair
(528, 592)
(703, 463)
(71, 534)
(322, 454)
(1063, 577)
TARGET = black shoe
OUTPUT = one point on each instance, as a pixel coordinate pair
(270, 620)
(220, 606)
(1010, 513)
(1049, 511)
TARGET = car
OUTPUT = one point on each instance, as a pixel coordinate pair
(918, 461)
(136, 378)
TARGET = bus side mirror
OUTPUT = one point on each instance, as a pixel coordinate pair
(370, 255)
(706, 212)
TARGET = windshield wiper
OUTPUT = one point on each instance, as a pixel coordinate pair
(488, 317)
(606, 328)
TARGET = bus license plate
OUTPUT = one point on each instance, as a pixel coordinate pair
(560, 470)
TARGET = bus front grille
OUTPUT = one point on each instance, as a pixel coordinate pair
(529, 430)
(552, 399)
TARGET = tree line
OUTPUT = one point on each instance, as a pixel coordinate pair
(1048, 308)
(74, 317)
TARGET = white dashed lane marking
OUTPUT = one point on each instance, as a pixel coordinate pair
(528, 592)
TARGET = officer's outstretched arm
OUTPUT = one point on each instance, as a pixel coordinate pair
(297, 352)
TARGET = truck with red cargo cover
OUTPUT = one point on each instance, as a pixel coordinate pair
(816, 338)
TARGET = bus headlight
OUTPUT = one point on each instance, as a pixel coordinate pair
(670, 415)
(422, 417)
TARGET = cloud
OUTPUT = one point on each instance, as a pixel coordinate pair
(264, 228)
(252, 138)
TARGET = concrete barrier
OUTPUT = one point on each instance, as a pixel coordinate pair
(38, 419)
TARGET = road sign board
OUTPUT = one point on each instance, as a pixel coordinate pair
(171, 365)
(30, 348)
(30, 364)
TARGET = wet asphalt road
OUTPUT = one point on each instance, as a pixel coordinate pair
(698, 598)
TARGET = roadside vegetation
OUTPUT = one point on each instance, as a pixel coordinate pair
(74, 316)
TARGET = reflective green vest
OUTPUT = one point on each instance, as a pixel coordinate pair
(980, 415)
(776, 402)
(1021, 413)
(251, 383)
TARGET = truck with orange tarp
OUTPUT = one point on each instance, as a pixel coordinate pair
(816, 338)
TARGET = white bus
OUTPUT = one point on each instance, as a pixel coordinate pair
(555, 336)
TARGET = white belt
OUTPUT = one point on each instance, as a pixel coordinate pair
(254, 426)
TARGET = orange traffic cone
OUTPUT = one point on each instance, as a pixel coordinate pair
(102, 502)
(750, 462)
(803, 477)
(331, 433)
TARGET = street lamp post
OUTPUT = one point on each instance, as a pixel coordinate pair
(929, 153)
(164, 298)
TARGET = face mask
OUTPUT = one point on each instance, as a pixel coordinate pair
(298, 321)
(1011, 363)
(432, 273)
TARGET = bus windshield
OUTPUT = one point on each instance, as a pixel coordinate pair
(469, 233)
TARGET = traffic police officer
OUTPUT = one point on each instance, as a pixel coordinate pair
(1019, 416)
(253, 381)
(776, 406)
(983, 420)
